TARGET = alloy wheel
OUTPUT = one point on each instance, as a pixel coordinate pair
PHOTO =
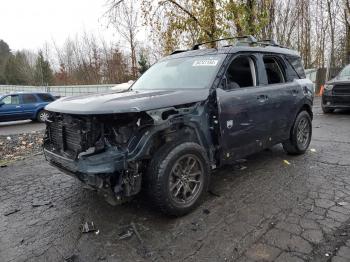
(186, 179)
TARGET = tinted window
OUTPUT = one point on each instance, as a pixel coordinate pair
(274, 72)
(45, 97)
(241, 73)
(28, 99)
(297, 66)
(11, 100)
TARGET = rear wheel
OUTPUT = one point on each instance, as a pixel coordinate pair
(300, 135)
(42, 116)
(178, 177)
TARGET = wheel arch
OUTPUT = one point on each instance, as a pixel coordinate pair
(306, 107)
(37, 111)
(152, 140)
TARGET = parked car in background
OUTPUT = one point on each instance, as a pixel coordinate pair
(22, 106)
(336, 94)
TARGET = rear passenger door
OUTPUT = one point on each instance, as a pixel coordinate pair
(282, 92)
(29, 105)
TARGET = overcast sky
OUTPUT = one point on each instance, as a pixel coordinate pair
(28, 24)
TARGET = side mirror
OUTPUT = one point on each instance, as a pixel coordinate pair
(2, 103)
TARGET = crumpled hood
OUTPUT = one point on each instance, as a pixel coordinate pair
(126, 102)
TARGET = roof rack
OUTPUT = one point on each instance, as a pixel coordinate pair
(270, 42)
(243, 40)
(248, 39)
(178, 51)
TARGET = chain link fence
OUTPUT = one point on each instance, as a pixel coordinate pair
(59, 91)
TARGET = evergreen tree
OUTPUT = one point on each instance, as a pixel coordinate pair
(17, 70)
(143, 63)
(43, 74)
(5, 53)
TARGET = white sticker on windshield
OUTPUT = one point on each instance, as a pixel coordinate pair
(209, 62)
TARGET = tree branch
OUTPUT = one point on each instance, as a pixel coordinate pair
(195, 19)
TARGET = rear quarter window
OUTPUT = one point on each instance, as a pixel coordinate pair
(29, 99)
(45, 97)
(297, 67)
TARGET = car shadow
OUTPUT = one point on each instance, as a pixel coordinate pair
(16, 123)
(342, 112)
(221, 179)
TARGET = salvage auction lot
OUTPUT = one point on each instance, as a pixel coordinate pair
(265, 209)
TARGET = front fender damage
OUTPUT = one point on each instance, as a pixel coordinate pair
(114, 150)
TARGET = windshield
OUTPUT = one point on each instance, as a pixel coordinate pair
(181, 73)
(345, 73)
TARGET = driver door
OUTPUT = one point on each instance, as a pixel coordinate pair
(10, 109)
(241, 105)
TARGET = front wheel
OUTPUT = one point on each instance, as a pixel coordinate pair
(42, 116)
(300, 135)
(178, 177)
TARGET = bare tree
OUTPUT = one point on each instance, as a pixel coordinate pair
(124, 16)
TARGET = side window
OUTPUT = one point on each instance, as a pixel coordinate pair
(241, 73)
(45, 97)
(275, 73)
(11, 100)
(29, 99)
(297, 65)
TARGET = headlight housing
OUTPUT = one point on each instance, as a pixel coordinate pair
(328, 87)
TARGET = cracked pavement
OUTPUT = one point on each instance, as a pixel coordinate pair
(270, 211)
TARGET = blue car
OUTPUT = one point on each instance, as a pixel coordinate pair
(22, 106)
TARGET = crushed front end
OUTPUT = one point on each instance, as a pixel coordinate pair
(95, 149)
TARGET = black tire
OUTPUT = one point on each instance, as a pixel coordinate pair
(327, 110)
(298, 143)
(42, 116)
(161, 175)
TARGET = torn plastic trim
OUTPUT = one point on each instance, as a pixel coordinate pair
(162, 115)
(196, 118)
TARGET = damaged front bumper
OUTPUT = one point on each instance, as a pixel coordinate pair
(107, 172)
(107, 162)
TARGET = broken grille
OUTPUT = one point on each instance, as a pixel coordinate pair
(65, 137)
(341, 90)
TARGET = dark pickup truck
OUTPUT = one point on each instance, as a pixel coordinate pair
(190, 113)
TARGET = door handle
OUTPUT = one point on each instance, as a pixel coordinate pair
(18, 106)
(262, 98)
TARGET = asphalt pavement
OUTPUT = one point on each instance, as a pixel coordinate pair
(267, 209)
(20, 127)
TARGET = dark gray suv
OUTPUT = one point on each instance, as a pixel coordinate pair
(336, 94)
(190, 113)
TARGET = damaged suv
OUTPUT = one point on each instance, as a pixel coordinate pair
(190, 113)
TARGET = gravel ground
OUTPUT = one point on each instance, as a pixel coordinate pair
(15, 147)
(270, 211)
(20, 127)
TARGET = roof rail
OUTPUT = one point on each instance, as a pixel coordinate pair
(249, 39)
(178, 51)
(270, 42)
